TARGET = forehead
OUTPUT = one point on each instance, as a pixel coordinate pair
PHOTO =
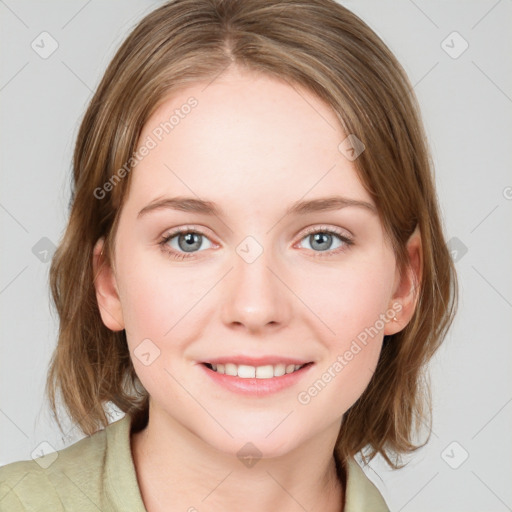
(247, 138)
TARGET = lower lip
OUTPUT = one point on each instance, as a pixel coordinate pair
(257, 387)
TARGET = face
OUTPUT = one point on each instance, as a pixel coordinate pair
(255, 282)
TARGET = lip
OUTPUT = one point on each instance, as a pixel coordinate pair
(256, 361)
(256, 387)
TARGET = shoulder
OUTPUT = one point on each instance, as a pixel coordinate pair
(66, 479)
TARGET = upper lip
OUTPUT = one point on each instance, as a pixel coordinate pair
(257, 361)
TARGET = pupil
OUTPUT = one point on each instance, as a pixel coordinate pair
(321, 239)
(192, 241)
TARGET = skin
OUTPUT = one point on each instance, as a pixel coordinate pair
(253, 145)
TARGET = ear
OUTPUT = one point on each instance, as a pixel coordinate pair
(107, 293)
(406, 287)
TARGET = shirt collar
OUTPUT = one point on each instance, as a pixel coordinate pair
(361, 494)
(123, 493)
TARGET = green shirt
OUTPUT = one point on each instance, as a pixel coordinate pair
(97, 473)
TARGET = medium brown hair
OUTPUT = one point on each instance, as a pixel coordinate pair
(316, 44)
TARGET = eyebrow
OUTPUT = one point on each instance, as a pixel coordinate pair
(303, 207)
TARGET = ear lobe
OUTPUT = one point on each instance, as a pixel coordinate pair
(106, 289)
(407, 286)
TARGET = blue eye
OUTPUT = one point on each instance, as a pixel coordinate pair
(189, 241)
(321, 240)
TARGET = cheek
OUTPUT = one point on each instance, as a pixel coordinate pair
(155, 299)
(162, 301)
(352, 308)
(152, 296)
(349, 298)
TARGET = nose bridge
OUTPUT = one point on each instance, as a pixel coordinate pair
(254, 295)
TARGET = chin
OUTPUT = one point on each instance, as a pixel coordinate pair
(255, 440)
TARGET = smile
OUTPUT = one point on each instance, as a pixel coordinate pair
(259, 372)
(256, 381)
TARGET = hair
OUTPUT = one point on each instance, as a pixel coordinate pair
(325, 48)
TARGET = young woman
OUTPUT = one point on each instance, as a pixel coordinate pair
(253, 270)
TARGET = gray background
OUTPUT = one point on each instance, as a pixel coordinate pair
(466, 103)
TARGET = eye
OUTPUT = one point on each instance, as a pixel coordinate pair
(321, 239)
(185, 242)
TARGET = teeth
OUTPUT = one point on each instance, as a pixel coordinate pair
(279, 370)
(260, 372)
(245, 372)
(230, 369)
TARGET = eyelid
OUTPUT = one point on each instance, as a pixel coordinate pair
(187, 229)
(346, 237)
(325, 227)
(172, 233)
(314, 228)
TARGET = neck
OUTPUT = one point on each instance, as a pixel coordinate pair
(177, 470)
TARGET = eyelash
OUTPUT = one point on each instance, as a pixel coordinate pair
(322, 254)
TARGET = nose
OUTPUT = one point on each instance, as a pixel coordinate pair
(254, 295)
